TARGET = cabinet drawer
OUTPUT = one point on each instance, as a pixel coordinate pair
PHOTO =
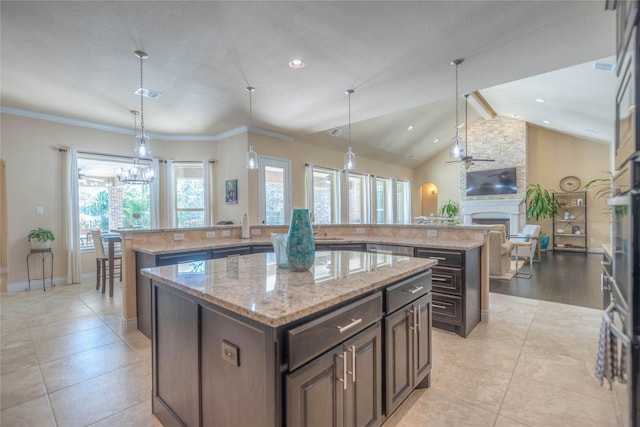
(447, 279)
(446, 258)
(223, 253)
(406, 291)
(447, 308)
(317, 336)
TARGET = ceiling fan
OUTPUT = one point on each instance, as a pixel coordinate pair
(457, 151)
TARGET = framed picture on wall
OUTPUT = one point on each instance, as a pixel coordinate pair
(231, 191)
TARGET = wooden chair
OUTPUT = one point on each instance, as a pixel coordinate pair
(102, 260)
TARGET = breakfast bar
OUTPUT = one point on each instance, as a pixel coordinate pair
(238, 341)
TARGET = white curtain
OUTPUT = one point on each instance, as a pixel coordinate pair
(154, 192)
(172, 220)
(71, 214)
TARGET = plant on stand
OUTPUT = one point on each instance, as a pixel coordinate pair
(540, 204)
(40, 238)
(450, 210)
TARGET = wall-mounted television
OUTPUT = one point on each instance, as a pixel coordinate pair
(493, 181)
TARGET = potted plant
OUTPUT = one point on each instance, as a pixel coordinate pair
(40, 238)
(449, 209)
(540, 204)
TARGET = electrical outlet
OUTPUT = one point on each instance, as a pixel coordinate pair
(178, 236)
(210, 234)
(225, 233)
(230, 353)
(432, 233)
(39, 210)
(256, 232)
(360, 230)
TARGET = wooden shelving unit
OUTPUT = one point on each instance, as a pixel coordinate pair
(570, 225)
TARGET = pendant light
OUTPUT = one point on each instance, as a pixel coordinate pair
(456, 149)
(349, 156)
(142, 148)
(138, 174)
(252, 156)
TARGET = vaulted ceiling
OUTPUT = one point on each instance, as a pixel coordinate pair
(75, 60)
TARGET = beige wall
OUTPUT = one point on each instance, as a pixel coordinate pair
(442, 175)
(554, 155)
(30, 150)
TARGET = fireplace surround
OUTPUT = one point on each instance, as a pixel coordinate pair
(498, 209)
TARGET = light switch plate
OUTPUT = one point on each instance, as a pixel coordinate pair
(39, 210)
(210, 234)
(225, 233)
(256, 231)
(432, 233)
(230, 353)
(178, 236)
(360, 230)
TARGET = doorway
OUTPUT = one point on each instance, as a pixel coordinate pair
(428, 199)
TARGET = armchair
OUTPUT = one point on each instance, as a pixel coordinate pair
(526, 242)
(499, 251)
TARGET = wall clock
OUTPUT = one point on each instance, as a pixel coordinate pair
(570, 183)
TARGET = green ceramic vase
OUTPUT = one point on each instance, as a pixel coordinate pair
(301, 248)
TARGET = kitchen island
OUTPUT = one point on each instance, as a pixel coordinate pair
(237, 341)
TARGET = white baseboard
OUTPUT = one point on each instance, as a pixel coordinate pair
(484, 315)
(129, 325)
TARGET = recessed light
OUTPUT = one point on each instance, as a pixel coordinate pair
(591, 131)
(540, 100)
(410, 156)
(514, 115)
(546, 122)
(296, 63)
(410, 127)
(435, 141)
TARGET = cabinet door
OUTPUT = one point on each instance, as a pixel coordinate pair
(422, 347)
(315, 392)
(363, 402)
(399, 353)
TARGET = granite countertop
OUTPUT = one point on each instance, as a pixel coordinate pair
(252, 285)
(163, 248)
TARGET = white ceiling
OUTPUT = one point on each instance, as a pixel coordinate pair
(75, 60)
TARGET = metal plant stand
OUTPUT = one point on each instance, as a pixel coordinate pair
(43, 254)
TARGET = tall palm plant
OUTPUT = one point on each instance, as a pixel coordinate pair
(540, 203)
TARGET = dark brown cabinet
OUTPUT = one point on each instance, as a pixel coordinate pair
(408, 351)
(456, 288)
(340, 388)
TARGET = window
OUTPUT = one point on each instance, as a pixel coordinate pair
(323, 197)
(381, 196)
(104, 203)
(403, 203)
(190, 194)
(357, 199)
(274, 196)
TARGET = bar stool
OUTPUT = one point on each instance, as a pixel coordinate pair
(102, 260)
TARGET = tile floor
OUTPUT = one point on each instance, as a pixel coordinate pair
(65, 362)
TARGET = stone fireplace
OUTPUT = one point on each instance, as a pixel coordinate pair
(497, 210)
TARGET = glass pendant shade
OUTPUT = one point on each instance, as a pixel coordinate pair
(349, 156)
(455, 150)
(349, 160)
(252, 156)
(252, 159)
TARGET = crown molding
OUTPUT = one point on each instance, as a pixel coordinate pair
(125, 131)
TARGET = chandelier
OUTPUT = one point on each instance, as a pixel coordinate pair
(137, 173)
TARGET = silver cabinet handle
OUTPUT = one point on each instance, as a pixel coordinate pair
(343, 356)
(417, 310)
(438, 306)
(438, 279)
(353, 323)
(414, 290)
(353, 363)
(439, 258)
(412, 319)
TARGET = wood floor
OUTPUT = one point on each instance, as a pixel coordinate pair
(564, 277)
